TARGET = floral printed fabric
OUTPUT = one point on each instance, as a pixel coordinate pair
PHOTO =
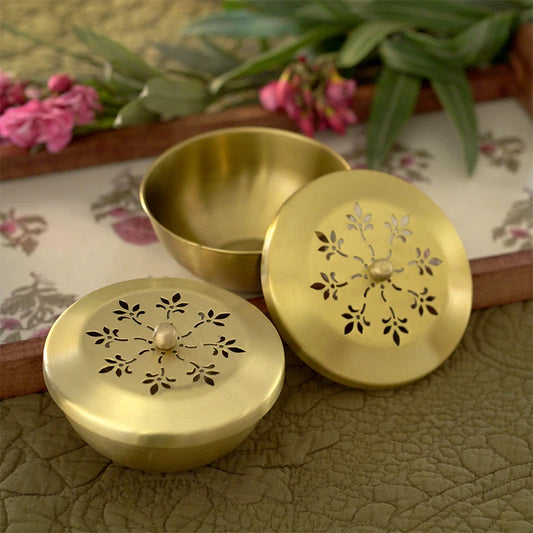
(66, 234)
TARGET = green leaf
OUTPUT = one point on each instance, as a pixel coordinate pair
(276, 57)
(174, 98)
(363, 39)
(132, 114)
(281, 8)
(477, 45)
(405, 56)
(119, 56)
(437, 16)
(456, 99)
(241, 23)
(204, 60)
(393, 103)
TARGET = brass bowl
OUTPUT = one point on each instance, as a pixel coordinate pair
(212, 197)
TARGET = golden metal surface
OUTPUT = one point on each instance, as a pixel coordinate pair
(153, 399)
(212, 197)
(366, 279)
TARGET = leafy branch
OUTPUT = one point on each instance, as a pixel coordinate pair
(224, 57)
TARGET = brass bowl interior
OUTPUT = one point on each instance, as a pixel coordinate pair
(222, 189)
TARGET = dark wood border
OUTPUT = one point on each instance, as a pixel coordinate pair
(497, 280)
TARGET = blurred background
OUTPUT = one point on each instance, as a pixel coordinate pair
(134, 23)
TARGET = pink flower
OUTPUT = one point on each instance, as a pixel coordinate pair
(519, 233)
(487, 148)
(81, 102)
(135, 230)
(268, 96)
(10, 324)
(118, 212)
(407, 161)
(60, 83)
(8, 227)
(315, 96)
(35, 123)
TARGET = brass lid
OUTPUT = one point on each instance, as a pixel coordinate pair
(164, 363)
(366, 279)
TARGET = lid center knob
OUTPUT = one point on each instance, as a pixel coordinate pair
(380, 270)
(165, 336)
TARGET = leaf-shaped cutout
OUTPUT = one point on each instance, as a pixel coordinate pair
(348, 328)
(332, 236)
(404, 221)
(154, 388)
(94, 334)
(326, 294)
(321, 236)
(386, 330)
(99, 341)
(196, 378)
(396, 338)
(429, 271)
(358, 210)
(403, 329)
(421, 311)
(165, 301)
(106, 330)
(176, 297)
(434, 261)
(118, 372)
(123, 304)
(359, 327)
(212, 373)
(431, 309)
(147, 381)
(209, 381)
(222, 316)
(430, 298)
(136, 307)
(347, 316)
(215, 323)
(234, 349)
(105, 370)
(324, 276)
(323, 248)
(165, 385)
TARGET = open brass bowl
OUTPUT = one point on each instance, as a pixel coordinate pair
(212, 197)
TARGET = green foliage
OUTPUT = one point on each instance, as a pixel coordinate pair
(393, 104)
(409, 42)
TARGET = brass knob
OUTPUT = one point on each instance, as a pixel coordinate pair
(165, 336)
(380, 270)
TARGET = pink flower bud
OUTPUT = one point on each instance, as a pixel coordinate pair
(268, 96)
(60, 83)
(306, 124)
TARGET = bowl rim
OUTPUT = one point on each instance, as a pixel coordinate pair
(214, 133)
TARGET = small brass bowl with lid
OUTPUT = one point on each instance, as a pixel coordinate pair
(212, 197)
(163, 374)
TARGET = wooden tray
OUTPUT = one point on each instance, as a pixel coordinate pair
(497, 280)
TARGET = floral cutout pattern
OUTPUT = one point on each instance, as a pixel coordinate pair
(502, 151)
(123, 208)
(140, 358)
(386, 285)
(21, 231)
(29, 311)
(516, 230)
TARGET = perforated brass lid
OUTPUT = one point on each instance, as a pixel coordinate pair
(164, 363)
(366, 279)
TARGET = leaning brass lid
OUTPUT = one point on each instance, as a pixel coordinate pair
(366, 279)
(163, 363)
